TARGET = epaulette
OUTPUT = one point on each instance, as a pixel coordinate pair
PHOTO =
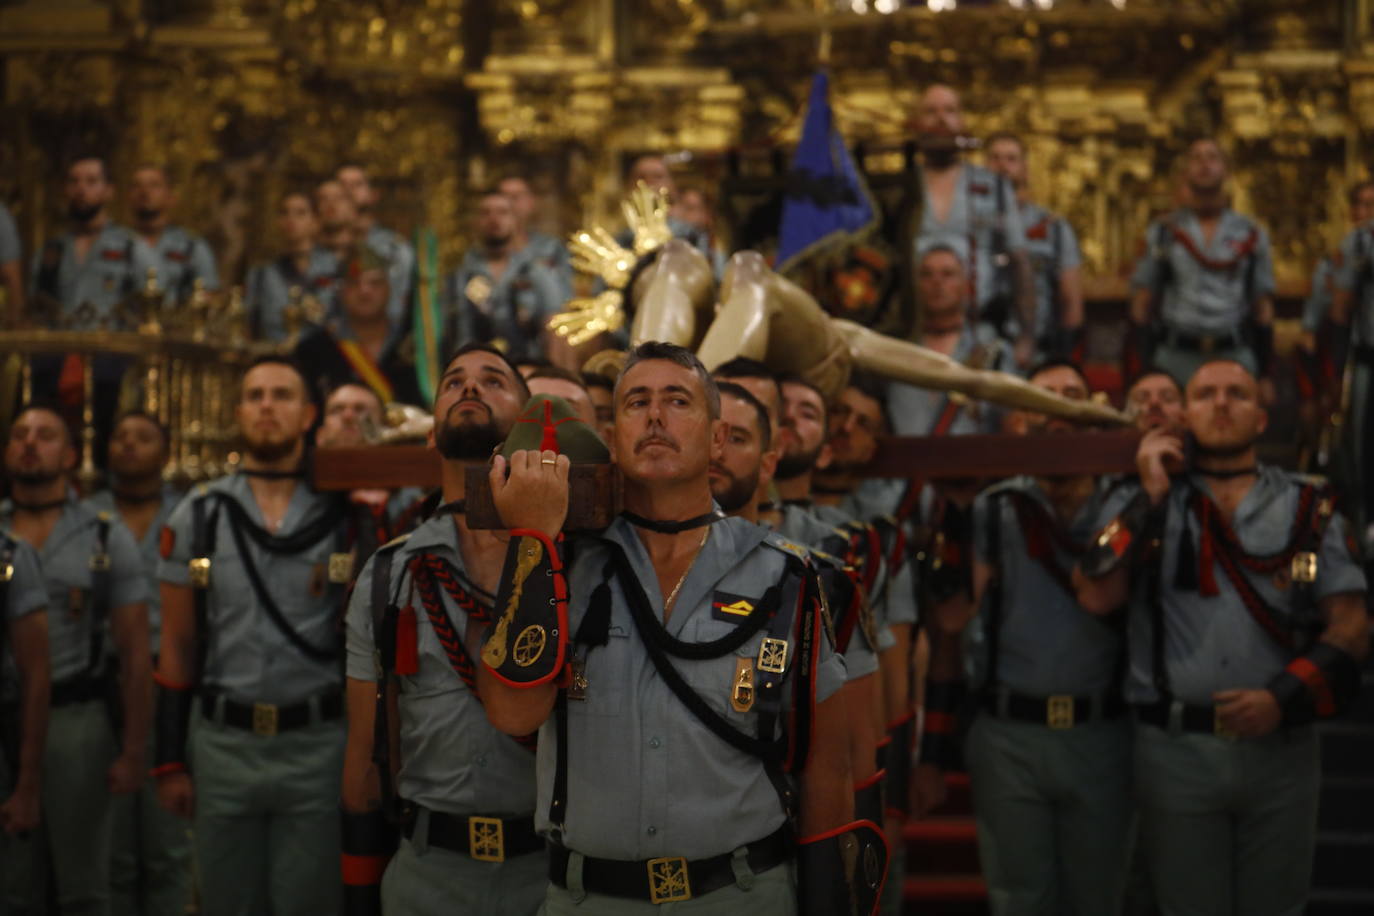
(1313, 480)
(104, 516)
(780, 543)
(394, 542)
(1009, 485)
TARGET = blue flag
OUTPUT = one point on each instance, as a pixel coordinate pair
(827, 203)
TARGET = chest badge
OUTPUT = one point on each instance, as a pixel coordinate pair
(478, 291)
(577, 690)
(773, 656)
(742, 685)
(1304, 567)
(340, 568)
(730, 608)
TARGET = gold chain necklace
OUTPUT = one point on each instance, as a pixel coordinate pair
(672, 596)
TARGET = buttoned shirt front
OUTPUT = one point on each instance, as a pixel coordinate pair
(645, 777)
(247, 656)
(1213, 643)
(452, 758)
(66, 561)
(1208, 287)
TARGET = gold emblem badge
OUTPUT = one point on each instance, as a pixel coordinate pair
(773, 656)
(577, 690)
(6, 572)
(1304, 567)
(529, 645)
(668, 880)
(100, 562)
(742, 685)
(1059, 712)
(478, 291)
(199, 568)
(531, 551)
(486, 839)
(340, 568)
(264, 719)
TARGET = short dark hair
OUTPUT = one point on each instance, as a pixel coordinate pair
(334, 389)
(51, 407)
(739, 392)
(162, 429)
(873, 387)
(88, 156)
(1353, 195)
(303, 195)
(1005, 136)
(1058, 362)
(793, 378)
(558, 372)
(592, 380)
(312, 393)
(1146, 373)
(476, 347)
(678, 356)
(743, 367)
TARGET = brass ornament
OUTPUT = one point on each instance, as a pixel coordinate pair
(340, 568)
(531, 551)
(742, 685)
(773, 656)
(486, 839)
(529, 645)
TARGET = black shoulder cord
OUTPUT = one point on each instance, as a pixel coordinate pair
(992, 598)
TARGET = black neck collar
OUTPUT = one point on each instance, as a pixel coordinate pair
(829, 491)
(663, 527)
(1251, 471)
(38, 507)
(263, 474)
(805, 502)
(135, 499)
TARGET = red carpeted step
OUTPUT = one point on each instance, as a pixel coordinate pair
(945, 895)
(941, 845)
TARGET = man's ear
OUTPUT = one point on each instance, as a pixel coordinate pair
(719, 430)
(824, 457)
(768, 465)
(69, 457)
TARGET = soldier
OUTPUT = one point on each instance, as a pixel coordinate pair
(179, 256)
(338, 219)
(747, 460)
(501, 293)
(1157, 401)
(390, 246)
(253, 570)
(458, 776)
(24, 689)
(362, 343)
(11, 269)
(566, 385)
(1247, 621)
(150, 873)
(98, 639)
(545, 247)
(303, 268)
(1049, 747)
(674, 687)
(600, 389)
(1352, 319)
(1204, 287)
(1052, 248)
(974, 212)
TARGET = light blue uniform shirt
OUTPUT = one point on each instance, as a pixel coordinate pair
(66, 564)
(25, 594)
(400, 259)
(1212, 643)
(247, 657)
(1053, 249)
(915, 411)
(983, 227)
(1352, 275)
(1202, 299)
(267, 292)
(149, 548)
(515, 308)
(452, 758)
(115, 267)
(9, 237)
(181, 258)
(645, 777)
(1047, 643)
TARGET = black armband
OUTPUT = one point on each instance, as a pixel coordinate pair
(942, 726)
(842, 870)
(1137, 523)
(1321, 684)
(527, 644)
(171, 726)
(369, 840)
(949, 559)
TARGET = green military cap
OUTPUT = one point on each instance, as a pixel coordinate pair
(362, 259)
(547, 422)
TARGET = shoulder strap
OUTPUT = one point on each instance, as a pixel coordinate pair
(50, 267)
(992, 596)
(6, 577)
(100, 593)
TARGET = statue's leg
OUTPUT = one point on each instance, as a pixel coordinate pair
(670, 294)
(925, 368)
(741, 325)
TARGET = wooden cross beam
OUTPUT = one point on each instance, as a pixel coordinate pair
(929, 458)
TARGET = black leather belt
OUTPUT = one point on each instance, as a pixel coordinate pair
(669, 878)
(487, 839)
(79, 689)
(1060, 711)
(1202, 343)
(268, 719)
(1198, 719)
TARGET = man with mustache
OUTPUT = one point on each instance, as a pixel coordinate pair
(98, 642)
(1049, 748)
(151, 864)
(254, 568)
(666, 772)
(1246, 615)
(181, 256)
(747, 460)
(1157, 401)
(974, 212)
(456, 773)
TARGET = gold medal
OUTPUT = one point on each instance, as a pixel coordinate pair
(199, 569)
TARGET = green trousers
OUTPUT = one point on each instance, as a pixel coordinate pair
(267, 819)
(150, 865)
(1228, 827)
(769, 893)
(437, 882)
(1054, 815)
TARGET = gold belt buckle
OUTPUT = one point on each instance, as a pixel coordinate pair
(487, 839)
(1220, 730)
(100, 562)
(1059, 711)
(199, 568)
(264, 719)
(773, 655)
(668, 881)
(1304, 567)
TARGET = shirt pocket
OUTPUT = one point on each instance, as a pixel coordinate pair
(717, 680)
(607, 670)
